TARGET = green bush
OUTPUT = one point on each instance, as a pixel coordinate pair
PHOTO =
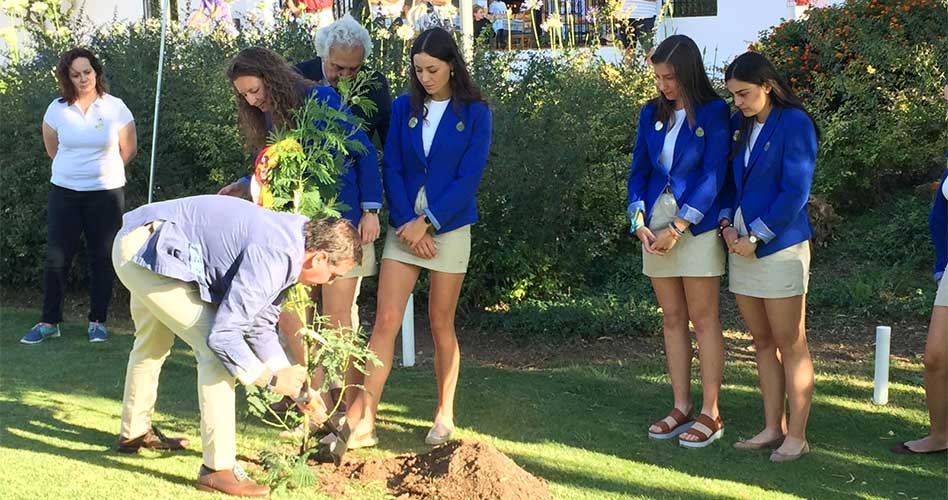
(880, 265)
(871, 72)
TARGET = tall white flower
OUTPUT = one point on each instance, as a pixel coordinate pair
(405, 32)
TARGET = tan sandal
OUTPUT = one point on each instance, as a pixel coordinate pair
(682, 423)
(716, 427)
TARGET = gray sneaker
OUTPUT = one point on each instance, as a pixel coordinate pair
(39, 333)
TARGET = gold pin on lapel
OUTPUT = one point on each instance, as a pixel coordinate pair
(699, 132)
(460, 127)
(413, 122)
(737, 135)
(766, 145)
(658, 126)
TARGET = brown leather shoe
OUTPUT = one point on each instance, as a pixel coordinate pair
(230, 482)
(154, 439)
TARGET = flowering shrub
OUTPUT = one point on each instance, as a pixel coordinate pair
(871, 72)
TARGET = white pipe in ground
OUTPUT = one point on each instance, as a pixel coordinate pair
(408, 333)
(880, 394)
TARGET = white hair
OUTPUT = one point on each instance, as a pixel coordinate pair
(344, 32)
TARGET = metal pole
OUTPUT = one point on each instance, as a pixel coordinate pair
(154, 129)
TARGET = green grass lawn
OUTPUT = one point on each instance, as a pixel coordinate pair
(580, 426)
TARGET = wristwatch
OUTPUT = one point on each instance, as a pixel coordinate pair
(272, 383)
(370, 211)
(753, 239)
(427, 220)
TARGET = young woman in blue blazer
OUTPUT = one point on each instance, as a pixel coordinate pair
(767, 232)
(679, 164)
(434, 157)
(936, 346)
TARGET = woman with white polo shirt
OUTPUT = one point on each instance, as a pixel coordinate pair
(90, 136)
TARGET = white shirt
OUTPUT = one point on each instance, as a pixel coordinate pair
(755, 131)
(88, 156)
(435, 112)
(668, 148)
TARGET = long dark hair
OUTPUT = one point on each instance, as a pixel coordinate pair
(682, 54)
(755, 68)
(66, 89)
(439, 44)
(285, 88)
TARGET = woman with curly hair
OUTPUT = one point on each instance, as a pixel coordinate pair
(268, 91)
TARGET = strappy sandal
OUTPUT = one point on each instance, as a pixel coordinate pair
(717, 431)
(682, 423)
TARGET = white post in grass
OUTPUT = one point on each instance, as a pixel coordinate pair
(408, 333)
(880, 394)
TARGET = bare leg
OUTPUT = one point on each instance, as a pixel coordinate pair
(787, 319)
(396, 282)
(769, 369)
(442, 306)
(936, 383)
(702, 296)
(671, 297)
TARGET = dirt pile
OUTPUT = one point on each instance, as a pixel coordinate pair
(458, 470)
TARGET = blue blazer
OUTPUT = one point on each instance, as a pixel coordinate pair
(697, 171)
(360, 185)
(772, 189)
(450, 173)
(938, 225)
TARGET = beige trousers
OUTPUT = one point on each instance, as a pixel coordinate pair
(161, 308)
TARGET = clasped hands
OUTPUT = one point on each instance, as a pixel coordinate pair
(415, 234)
(736, 243)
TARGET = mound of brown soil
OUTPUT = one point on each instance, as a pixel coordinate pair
(458, 470)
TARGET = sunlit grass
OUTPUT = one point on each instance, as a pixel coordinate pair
(580, 426)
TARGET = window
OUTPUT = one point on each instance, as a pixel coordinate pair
(694, 8)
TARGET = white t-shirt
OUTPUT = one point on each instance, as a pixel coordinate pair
(88, 156)
(668, 148)
(755, 131)
(435, 112)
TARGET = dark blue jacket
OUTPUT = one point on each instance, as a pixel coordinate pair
(698, 169)
(772, 190)
(451, 173)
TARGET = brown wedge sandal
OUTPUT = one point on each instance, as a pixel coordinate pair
(717, 431)
(682, 423)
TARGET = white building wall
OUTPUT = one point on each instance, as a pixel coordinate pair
(737, 25)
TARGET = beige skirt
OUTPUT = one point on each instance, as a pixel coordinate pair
(368, 266)
(453, 249)
(693, 256)
(779, 275)
(941, 298)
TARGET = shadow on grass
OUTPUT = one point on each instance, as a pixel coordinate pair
(21, 421)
